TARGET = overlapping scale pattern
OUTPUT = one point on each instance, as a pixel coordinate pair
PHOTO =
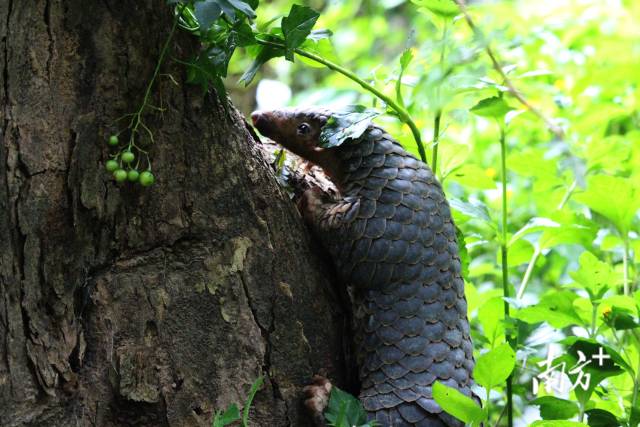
(397, 247)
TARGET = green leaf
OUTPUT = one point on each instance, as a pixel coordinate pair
(615, 198)
(265, 54)
(555, 308)
(207, 12)
(491, 317)
(229, 416)
(344, 410)
(594, 275)
(473, 209)
(405, 60)
(346, 124)
(620, 319)
(241, 35)
(457, 404)
(493, 368)
(553, 408)
(464, 253)
(252, 393)
(443, 8)
(297, 26)
(495, 107)
(229, 8)
(242, 6)
(321, 47)
(556, 423)
(601, 418)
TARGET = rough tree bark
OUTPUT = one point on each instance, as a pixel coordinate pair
(128, 306)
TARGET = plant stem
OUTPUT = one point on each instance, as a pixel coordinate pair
(505, 267)
(527, 273)
(625, 263)
(403, 114)
(636, 381)
(136, 120)
(594, 313)
(436, 140)
(567, 195)
(436, 121)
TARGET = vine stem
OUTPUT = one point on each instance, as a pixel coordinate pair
(403, 114)
(437, 119)
(625, 263)
(505, 266)
(557, 131)
(136, 120)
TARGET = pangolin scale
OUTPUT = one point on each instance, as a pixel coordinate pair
(393, 241)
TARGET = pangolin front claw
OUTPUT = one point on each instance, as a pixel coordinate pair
(317, 399)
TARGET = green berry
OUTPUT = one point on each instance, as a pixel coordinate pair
(113, 140)
(146, 178)
(120, 175)
(128, 157)
(133, 175)
(111, 165)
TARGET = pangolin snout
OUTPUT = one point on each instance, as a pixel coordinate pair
(256, 116)
(262, 122)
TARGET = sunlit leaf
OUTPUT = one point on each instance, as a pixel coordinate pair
(594, 275)
(555, 308)
(493, 368)
(615, 198)
(457, 404)
(495, 107)
(553, 408)
(442, 8)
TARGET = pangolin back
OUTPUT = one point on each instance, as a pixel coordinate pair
(397, 247)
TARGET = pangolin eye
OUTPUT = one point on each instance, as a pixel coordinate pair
(303, 129)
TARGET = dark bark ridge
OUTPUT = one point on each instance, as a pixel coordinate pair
(128, 306)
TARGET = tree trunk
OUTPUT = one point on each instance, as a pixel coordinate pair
(123, 305)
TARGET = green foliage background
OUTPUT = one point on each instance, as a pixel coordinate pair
(571, 240)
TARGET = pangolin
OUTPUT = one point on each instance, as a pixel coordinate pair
(393, 241)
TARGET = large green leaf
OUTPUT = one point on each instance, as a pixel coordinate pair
(491, 317)
(615, 198)
(344, 410)
(553, 408)
(297, 26)
(457, 404)
(594, 275)
(493, 367)
(443, 8)
(555, 308)
(495, 107)
(601, 418)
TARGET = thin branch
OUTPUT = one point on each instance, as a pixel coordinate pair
(556, 130)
